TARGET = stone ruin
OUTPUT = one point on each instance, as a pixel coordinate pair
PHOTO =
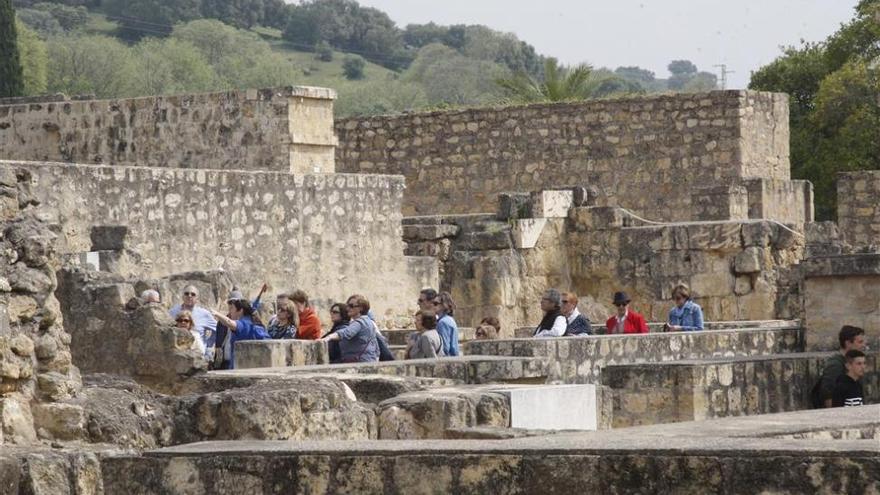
(100, 200)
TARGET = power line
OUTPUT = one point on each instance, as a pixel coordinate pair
(724, 73)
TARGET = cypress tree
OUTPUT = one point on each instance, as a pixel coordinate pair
(11, 78)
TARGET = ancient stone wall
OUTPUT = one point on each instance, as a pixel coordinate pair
(858, 208)
(332, 235)
(704, 389)
(36, 372)
(841, 290)
(648, 154)
(581, 360)
(284, 129)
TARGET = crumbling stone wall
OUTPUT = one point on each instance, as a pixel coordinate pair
(858, 208)
(283, 129)
(36, 371)
(331, 235)
(648, 154)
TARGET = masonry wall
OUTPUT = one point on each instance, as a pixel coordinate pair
(647, 154)
(858, 207)
(332, 235)
(284, 129)
(581, 360)
(697, 390)
(841, 290)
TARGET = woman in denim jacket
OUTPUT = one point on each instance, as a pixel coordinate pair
(687, 315)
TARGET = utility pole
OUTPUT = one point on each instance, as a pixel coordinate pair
(724, 73)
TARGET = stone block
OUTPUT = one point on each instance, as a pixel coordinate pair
(419, 233)
(16, 420)
(526, 232)
(750, 260)
(58, 421)
(552, 204)
(553, 407)
(108, 237)
(512, 205)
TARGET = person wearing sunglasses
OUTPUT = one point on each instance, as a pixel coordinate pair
(626, 320)
(205, 324)
(339, 319)
(686, 316)
(184, 320)
(357, 340)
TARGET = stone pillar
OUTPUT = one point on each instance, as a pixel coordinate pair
(313, 140)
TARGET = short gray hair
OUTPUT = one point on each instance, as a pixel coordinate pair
(149, 296)
(554, 296)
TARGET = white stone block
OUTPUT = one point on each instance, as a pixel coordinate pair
(552, 204)
(527, 231)
(553, 407)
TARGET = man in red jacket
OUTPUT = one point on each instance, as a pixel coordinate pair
(626, 320)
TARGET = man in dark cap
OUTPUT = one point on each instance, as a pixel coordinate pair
(626, 320)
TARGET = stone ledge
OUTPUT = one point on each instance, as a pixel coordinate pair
(842, 265)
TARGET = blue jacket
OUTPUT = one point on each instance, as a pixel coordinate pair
(246, 329)
(448, 330)
(689, 316)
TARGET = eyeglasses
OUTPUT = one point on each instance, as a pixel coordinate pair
(566, 301)
(335, 312)
(621, 304)
(353, 305)
(184, 320)
(190, 294)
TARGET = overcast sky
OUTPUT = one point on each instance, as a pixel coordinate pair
(744, 34)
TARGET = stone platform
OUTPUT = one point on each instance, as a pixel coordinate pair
(793, 453)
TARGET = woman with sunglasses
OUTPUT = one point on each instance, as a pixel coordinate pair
(357, 340)
(339, 318)
(283, 326)
(686, 316)
(184, 320)
(626, 320)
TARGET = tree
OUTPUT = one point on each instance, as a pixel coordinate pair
(11, 76)
(324, 52)
(141, 18)
(168, 66)
(701, 81)
(353, 67)
(559, 84)
(34, 60)
(634, 73)
(41, 21)
(69, 18)
(682, 72)
(238, 13)
(419, 35)
(381, 96)
(95, 65)
(834, 100)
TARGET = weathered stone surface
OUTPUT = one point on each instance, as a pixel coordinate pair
(430, 414)
(749, 261)
(416, 233)
(358, 214)
(16, 420)
(53, 421)
(535, 147)
(858, 211)
(108, 237)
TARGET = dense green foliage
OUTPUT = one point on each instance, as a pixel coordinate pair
(834, 89)
(11, 76)
(34, 60)
(558, 84)
(353, 67)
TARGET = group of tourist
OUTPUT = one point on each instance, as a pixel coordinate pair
(841, 381)
(562, 318)
(353, 336)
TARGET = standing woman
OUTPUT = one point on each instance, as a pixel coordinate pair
(446, 325)
(357, 340)
(686, 316)
(243, 324)
(339, 318)
(283, 326)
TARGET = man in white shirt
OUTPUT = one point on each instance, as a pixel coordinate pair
(203, 322)
(554, 323)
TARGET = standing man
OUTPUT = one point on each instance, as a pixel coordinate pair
(205, 324)
(850, 338)
(848, 389)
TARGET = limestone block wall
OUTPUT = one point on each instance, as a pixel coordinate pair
(283, 129)
(841, 290)
(858, 207)
(581, 360)
(737, 270)
(332, 235)
(704, 389)
(647, 154)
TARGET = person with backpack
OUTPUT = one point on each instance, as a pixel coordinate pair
(243, 324)
(358, 341)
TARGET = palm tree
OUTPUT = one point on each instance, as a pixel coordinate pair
(559, 84)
